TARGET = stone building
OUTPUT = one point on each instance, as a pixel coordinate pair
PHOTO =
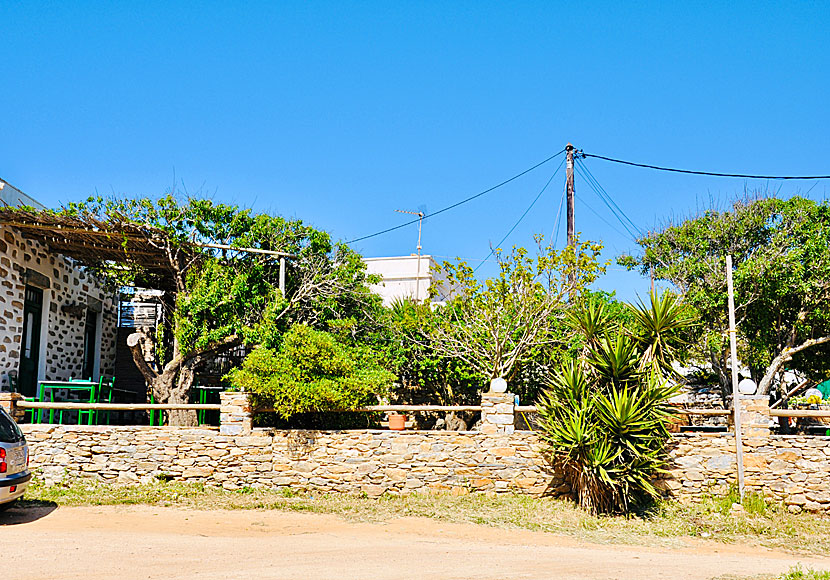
(56, 320)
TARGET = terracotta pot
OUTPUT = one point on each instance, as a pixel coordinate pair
(397, 422)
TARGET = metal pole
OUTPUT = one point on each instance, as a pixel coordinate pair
(569, 166)
(418, 273)
(282, 275)
(736, 394)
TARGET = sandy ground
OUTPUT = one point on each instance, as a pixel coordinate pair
(170, 543)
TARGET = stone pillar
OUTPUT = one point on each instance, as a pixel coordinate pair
(497, 413)
(236, 414)
(755, 416)
(9, 402)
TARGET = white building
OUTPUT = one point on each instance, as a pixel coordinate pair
(57, 321)
(407, 277)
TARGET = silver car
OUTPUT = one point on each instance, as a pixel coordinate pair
(14, 461)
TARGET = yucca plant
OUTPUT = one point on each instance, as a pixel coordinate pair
(605, 419)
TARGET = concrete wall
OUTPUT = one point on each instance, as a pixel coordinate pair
(62, 333)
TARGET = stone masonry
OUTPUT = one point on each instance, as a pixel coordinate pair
(790, 469)
(63, 284)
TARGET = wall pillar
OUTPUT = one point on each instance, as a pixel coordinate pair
(497, 413)
(236, 414)
(755, 416)
(9, 402)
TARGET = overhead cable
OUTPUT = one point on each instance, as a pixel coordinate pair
(463, 201)
(507, 235)
(616, 211)
(712, 173)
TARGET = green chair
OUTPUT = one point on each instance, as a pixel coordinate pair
(105, 387)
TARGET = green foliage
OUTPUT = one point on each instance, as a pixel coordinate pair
(781, 256)
(312, 371)
(497, 325)
(605, 414)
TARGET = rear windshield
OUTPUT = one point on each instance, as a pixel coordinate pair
(9, 432)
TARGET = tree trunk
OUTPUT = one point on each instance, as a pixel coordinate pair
(781, 359)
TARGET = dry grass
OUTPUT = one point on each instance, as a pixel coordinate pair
(666, 524)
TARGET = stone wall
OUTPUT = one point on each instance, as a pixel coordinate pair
(368, 461)
(791, 469)
(63, 284)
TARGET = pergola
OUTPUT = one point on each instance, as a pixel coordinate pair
(96, 243)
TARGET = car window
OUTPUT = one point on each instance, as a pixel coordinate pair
(9, 431)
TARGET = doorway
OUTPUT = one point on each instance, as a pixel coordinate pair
(30, 349)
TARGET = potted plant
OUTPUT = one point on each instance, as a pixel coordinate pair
(397, 421)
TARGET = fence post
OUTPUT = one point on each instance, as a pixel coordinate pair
(497, 413)
(9, 402)
(236, 413)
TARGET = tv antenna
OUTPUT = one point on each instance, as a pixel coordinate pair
(420, 213)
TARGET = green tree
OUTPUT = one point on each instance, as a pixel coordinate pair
(219, 299)
(311, 372)
(496, 325)
(781, 257)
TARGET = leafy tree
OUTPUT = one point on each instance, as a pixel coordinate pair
(781, 257)
(496, 325)
(605, 416)
(218, 300)
(312, 371)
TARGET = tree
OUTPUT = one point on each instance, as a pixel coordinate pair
(781, 256)
(493, 326)
(220, 299)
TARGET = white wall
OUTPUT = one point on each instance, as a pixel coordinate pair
(402, 277)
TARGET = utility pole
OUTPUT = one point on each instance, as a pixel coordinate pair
(420, 215)
(569, 166)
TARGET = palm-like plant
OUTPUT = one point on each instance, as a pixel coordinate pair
(659, 330)
(605, 416)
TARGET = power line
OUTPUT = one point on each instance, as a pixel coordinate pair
(554, 239)
(507, 235)
(609, 202)
(463, 201)
(712, 173)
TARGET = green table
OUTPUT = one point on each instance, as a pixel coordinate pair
(81, 387)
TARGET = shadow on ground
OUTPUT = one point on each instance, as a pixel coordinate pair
(23, 512)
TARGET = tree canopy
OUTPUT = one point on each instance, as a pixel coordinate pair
(781, 256)
(223, 298)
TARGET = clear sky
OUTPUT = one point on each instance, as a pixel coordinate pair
(340, 113)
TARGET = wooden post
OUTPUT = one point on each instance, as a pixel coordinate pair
(282, 275)
(569, 167)
(736, 394)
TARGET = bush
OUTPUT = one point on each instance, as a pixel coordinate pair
(312, 372)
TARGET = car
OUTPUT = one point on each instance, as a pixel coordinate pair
(14, 461)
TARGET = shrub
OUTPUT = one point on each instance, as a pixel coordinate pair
(311, 372)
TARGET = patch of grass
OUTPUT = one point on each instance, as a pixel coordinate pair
(798, 573)
(667, 523)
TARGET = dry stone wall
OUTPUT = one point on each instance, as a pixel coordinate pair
(790, 469)
(372, 461)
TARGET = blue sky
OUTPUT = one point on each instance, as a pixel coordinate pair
(340, 113)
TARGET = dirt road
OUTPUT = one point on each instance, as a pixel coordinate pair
(151, 542)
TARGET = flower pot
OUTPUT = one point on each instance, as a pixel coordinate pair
(397, 422)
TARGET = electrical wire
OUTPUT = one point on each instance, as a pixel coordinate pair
(463, 201)
(600, 190)
(609, 203)
(553, 239)
(507, 235)
(712, 173)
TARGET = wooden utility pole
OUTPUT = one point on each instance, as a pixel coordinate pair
(736, 393)
(569, 166)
